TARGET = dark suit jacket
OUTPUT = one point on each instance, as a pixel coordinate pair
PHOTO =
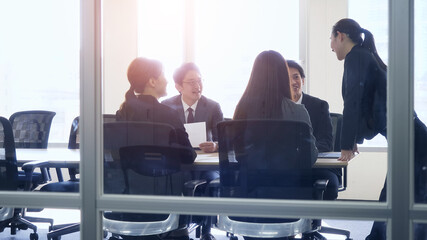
(207, 111)
(364, 91)
(318, 110)
(146, 108)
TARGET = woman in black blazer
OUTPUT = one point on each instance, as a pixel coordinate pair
(364, 90)
(147, 85)
(364, 86)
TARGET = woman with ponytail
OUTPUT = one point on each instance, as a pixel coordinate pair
(364, 90)
(147, 85)
(364, 85)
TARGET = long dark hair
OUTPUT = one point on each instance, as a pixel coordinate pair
(140, 70)
(267, 87)
(354, 31)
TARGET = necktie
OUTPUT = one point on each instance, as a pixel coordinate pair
(190, 118)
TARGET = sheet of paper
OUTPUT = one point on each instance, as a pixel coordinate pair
(196, 133)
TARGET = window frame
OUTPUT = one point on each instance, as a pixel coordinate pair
(92, 202)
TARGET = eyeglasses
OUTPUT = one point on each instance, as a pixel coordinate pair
(194, 83)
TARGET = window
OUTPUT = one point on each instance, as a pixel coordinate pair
(225, 43)
(39, 60)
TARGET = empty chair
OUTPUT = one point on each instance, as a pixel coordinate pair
(13, 217)
(31, 130)
(267, 159)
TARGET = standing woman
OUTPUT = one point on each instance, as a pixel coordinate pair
(364, 85)
(364, 90)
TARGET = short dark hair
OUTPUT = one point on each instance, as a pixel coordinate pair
(179, 74)
(293, 64)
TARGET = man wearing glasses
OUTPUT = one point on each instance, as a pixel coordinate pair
(192, 106)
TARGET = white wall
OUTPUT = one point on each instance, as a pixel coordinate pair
(120, 37)
(323, 70)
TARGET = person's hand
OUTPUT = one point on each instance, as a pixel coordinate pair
(355, 149)
(208, 147)
(346, 155)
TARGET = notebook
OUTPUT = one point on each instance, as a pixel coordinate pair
(329, 155)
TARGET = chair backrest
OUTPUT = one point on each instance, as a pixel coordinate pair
(124, 134)
(74, 140)
(153, 170)
(265, 159)
(8, 165)
(336, 119)
(31, 128)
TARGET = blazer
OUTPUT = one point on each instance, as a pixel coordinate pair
(146, 108)
(318, 110)
(364, 91)
(207, 111)
(297, 112)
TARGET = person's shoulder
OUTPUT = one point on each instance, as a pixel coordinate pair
(207, 100)
(172, 100)
(357, 53)
(313, 99)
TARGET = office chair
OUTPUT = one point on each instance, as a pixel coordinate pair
(142, 152)
(9, 181)
(72, 185)
(336, 119)
(267, 159)
(31, 130)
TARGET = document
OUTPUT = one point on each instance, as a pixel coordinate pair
(196, 133)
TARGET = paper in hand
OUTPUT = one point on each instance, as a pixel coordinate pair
(196, 133)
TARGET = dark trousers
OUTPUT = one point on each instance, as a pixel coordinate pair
(331, 192)
(378, 231)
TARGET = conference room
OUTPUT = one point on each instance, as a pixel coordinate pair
(73, 60)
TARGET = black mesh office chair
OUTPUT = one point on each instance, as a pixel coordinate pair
(267, 159)
(72, 185)
(336, 119)
(140, 152)
(31, 130)
(9, 181)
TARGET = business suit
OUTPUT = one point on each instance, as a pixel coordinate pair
(364, 91)
(207, 111)
(318, 110)
(146, 108)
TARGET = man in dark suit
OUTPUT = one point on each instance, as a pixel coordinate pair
(318, 110)
(192, 106)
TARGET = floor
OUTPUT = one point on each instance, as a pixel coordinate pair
(358, 229)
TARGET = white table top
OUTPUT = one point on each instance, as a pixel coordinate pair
(63, 157)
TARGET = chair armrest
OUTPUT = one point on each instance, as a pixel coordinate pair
(29, 170)
(318, 188)
(191, 186)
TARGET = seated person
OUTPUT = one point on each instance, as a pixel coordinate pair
(147, 85)
(318, 110)
(269, 96)
(192, 106)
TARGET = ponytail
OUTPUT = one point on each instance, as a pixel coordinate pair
(369, 43)
(354, 31)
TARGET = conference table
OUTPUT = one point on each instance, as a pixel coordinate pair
(70, 158)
